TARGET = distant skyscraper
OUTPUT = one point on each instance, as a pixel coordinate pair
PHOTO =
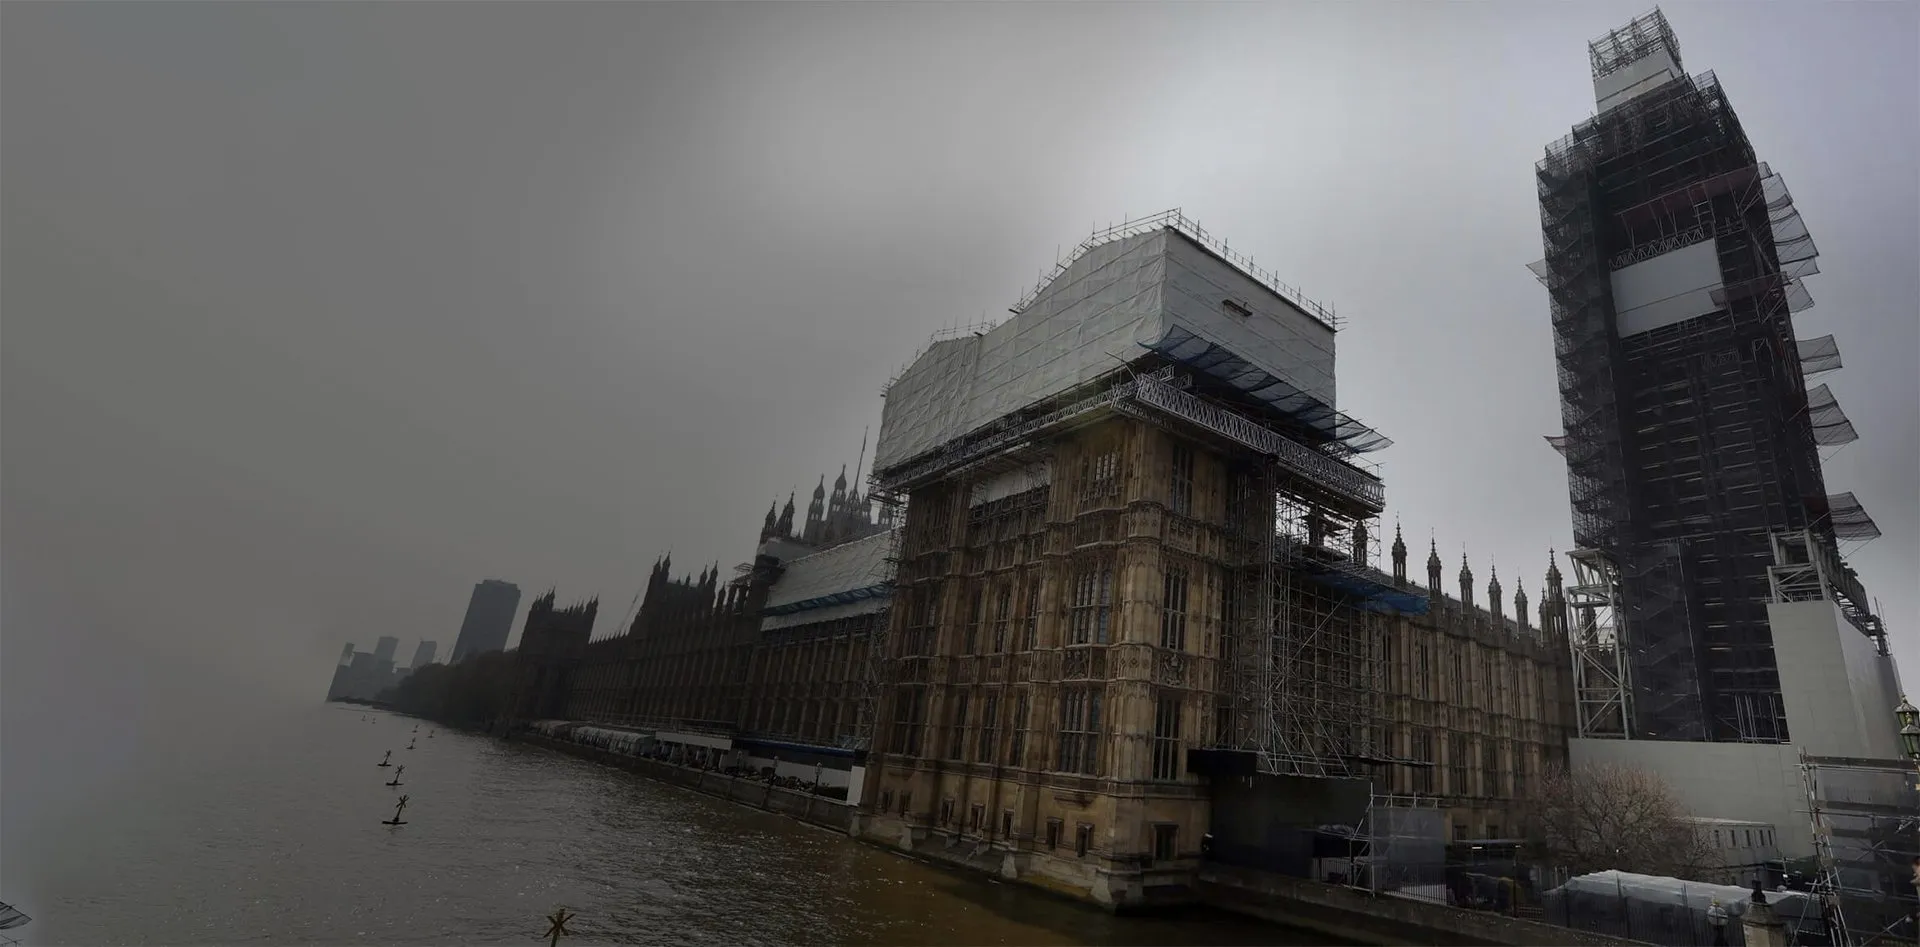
(423, 655)
(384, 648)
(489, 619)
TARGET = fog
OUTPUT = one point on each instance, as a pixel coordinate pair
(314, 315)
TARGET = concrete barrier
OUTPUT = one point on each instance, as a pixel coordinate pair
(1386, 920)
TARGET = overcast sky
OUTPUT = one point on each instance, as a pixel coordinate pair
(315, 315)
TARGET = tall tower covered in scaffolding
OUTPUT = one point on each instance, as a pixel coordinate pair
(1136, 562)
(1674, 264)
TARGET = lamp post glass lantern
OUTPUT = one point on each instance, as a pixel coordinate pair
(1909, 719)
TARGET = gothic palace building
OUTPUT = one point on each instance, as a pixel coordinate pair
(1029, 728)
(1131, 601)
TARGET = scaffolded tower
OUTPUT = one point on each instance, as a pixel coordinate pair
(1674, 262)
(1301, 689)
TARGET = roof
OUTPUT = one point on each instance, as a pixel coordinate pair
(854, 578)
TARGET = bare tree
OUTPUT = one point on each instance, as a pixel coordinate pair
(1608, 816)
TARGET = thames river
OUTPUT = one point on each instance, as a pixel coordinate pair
(275, 837)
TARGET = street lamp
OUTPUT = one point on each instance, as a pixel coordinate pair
(1909, 728)
(1717, 918)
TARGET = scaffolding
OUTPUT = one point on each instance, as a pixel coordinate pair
(871, 684)
(1302, 692)
(1602, 688)
(1865, 817)
(1644, 36)
(1176, 220)
(1690, 437)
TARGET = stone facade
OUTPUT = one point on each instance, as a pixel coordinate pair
(1479, 703)
(1057, 634)
(1056, 653)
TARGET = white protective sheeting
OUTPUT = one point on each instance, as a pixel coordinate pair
(847, 580)
(1667, 289)
(1637, 78)
(1011, 483)
(1093, 319)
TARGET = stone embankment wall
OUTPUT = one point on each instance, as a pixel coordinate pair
(1355, 915)
(758, 793)
(1328, 909)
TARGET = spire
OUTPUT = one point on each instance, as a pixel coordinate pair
(1553, 574)
(862, 462)
(816, 513)
(1520, 606)
(1494, 604)
(1433, 567)
(1466, 580)
(785, 526)
(1399, 555)
(766, 529)
(840, 483)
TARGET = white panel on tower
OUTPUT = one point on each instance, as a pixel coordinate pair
(1636, 78)
(1670, 288)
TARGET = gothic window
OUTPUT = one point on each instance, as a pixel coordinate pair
(1092, 603)
(1457, 765)
(1053, 833)
(1033, 614)
(1173, 610)
(908, 719)
(1002, 618)
(1080, 730)
(1099, 478)
(976, 615)
(923, 618)
(1422, 671)
(1017, 754)
(1166, 736)
(1180, 493)
(989, 730)
(1082, 838)
(957, 732)
(1423, 752)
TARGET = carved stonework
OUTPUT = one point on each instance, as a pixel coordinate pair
(1171, 669)
(1074, 666)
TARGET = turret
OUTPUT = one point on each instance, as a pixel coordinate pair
(1520, 608)
(1399, 556)
(772, 523)
(1494, 604)
(816, 513)
(1466, 583)
(785, 526)
(1553, 605)
(1433, 569)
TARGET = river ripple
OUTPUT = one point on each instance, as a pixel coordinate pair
(277, 839)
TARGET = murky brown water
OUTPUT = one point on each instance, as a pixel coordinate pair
(276, 838)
